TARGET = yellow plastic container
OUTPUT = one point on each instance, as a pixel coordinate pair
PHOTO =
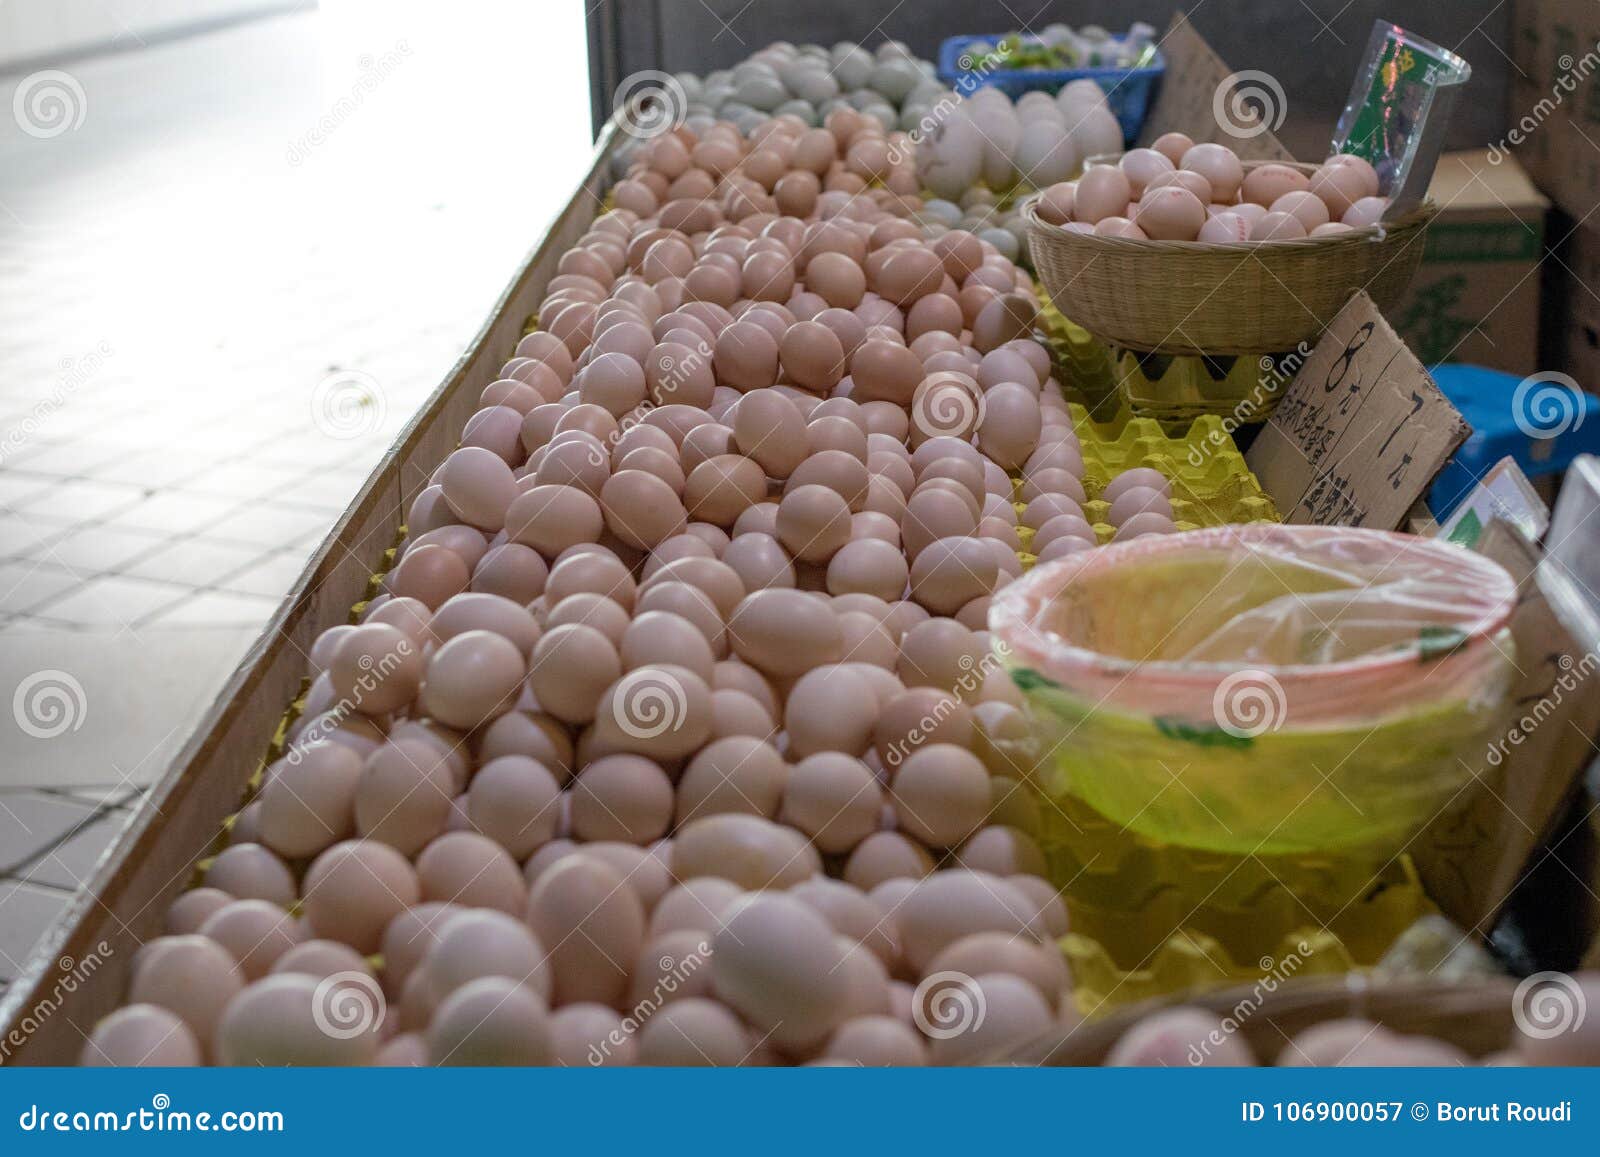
(1192, 854)
(1262, 689)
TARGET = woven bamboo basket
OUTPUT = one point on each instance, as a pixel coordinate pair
(1474, 1016)
(1184, 297)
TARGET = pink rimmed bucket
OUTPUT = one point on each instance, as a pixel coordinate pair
(1262, 689)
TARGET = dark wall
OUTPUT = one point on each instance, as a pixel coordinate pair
(1310, 46)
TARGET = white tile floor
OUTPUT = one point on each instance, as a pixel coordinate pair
(240, 218)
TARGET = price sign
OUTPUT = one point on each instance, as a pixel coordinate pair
(1361, 431)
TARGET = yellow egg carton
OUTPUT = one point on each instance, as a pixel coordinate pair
(1175, 390)
(1083, 364)
(1150, 918)
(1211, 484)
(1193, 962)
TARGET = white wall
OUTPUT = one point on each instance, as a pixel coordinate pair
(37, 30)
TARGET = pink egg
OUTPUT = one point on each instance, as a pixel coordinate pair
(1120, 227)
(1171, 214)
(1225, 228)
(1307, 208)
(1218, 164)
(1340, 186)
(1250, 211)
(1331, 229)
(1367, 211)
(1145, 476)
(1103, 191)
(1277, 227)
(1264, 184)
(1173, 146)
(1141, 166)
(1369, 175)
(1184, 179)
(1062, 547)
(1055, 203)
(1148, 522)
(1138, 500)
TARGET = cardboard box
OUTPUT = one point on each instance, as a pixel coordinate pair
(1577, 313)
(1475, 298)
(1361, 432)
(1553, 122)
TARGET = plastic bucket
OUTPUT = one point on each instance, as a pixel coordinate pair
(1262, 689)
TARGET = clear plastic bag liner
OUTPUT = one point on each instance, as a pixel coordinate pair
(1398, 112)
(1350, 623)
(1261, 689)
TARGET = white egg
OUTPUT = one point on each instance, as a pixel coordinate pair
(1094, 132)
(950, 158)
(1045, 154)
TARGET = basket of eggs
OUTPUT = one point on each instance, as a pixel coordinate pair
(1183, 248)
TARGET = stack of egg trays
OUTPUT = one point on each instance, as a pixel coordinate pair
(1177, 390)
(1333, 914)
(1084, 364)
(1211, 484)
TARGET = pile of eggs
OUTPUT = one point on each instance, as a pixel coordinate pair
(1037, 142)
(888, 84)
(675, 736)
(1185, 1036)
(1177, 190)
(984, 213)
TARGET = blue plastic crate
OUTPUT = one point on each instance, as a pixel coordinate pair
(1129, 91)
(1546, 441)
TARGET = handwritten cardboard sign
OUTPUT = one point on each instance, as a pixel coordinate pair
(1361, 430)
(1187, 102)
(1473, 855)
